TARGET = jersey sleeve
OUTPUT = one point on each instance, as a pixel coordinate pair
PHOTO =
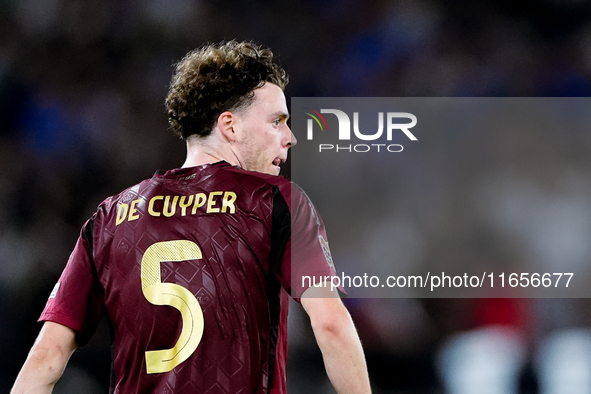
(307, 259)
(77, 298)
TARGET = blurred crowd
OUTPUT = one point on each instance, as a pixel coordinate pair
(82, 86)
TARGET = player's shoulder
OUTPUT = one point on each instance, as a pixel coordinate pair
(289, 190)
(258, 179)
(259, 176)
(125, 196)
(252, 182)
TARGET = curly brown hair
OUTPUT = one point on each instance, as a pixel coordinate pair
(217, 78)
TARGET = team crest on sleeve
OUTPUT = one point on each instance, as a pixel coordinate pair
(54, 291)
(326, 250)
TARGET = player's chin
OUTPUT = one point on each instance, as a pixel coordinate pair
(274, 170)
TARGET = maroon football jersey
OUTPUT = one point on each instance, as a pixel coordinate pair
(194, 269)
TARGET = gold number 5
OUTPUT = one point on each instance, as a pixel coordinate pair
(174, 295)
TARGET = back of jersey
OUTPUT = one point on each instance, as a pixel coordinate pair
(188, 265)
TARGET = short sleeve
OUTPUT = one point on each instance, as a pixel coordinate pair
(77, 298)
(307, 260)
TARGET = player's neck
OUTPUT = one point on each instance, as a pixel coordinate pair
(208, 151)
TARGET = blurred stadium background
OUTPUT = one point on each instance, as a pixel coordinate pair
(82, 85)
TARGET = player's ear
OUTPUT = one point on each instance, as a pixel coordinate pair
(226, 122)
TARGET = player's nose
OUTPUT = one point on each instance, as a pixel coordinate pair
(293, 140)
